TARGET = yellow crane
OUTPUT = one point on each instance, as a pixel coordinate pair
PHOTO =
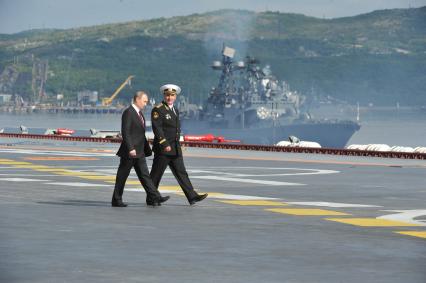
(107, 101)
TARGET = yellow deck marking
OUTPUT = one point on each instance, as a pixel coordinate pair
(420, 234)
(62, 158)
(171, 188)
(254, 202)
(307, 212)
(164, 189)
(77, 173)
(217, 195)
(54, 170)
(31, 166)
(175, 189)
(372, 222)
(176, 193)
(84, 175)
(14, 163)
(128, 182)
(98, 177)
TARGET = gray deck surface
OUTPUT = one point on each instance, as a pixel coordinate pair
(57, 224)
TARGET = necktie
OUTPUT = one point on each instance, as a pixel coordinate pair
(142, 118)
(173, 109)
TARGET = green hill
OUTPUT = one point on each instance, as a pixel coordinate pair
(378, 57)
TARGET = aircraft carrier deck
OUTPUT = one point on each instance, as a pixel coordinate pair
(269, 217)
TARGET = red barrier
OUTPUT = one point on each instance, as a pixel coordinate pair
(199, 138)
(207, 138)
(64, 132)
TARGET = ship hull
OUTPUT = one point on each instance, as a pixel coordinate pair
(327, 134)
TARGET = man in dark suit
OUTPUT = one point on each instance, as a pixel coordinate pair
(133, 150)
(167, 150)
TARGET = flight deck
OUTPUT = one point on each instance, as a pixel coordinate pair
(269, 217)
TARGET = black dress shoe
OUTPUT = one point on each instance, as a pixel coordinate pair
(153, 202)
(163, 199)
(156, 201)
(118, 204)
(197, 199)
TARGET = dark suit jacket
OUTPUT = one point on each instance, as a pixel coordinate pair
(166, 128)
(133, 133)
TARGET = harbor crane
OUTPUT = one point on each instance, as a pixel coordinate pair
(107, 101)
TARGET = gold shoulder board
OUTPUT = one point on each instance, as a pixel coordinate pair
(155, 115)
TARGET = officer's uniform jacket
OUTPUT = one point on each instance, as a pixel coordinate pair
(166, 128)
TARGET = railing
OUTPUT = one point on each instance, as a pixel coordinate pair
(270, 148)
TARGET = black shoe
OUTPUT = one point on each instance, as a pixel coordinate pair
(197, 199)
(118, 204)
(157, 201)
(163, 199)
(153, 202)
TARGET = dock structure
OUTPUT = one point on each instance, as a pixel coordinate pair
(270, 217)
(63, 109)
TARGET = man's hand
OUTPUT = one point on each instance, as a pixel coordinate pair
(132, 153)
(168, 149)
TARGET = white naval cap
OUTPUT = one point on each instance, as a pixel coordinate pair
(170, 88)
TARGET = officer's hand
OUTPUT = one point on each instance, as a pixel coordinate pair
(132, 153)
(169, 148)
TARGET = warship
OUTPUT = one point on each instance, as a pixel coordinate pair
(250, 104)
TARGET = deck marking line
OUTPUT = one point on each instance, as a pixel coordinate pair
(297, 160)
(22, 180)
(77, 184)
(419, 234)
(406, 216)
(61, 158)
(237, 197)
(331, 204)
(306, 212)
(98, 177)
(252, 181)
(253, 202)
(372, 222)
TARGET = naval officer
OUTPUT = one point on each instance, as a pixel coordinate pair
(133, 150)
(167, 150)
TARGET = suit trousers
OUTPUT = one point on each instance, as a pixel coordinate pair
(178, 169)
(126, 165)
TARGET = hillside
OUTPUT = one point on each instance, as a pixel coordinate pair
(378, 57)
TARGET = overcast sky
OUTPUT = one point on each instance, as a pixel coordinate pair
(19, 15)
